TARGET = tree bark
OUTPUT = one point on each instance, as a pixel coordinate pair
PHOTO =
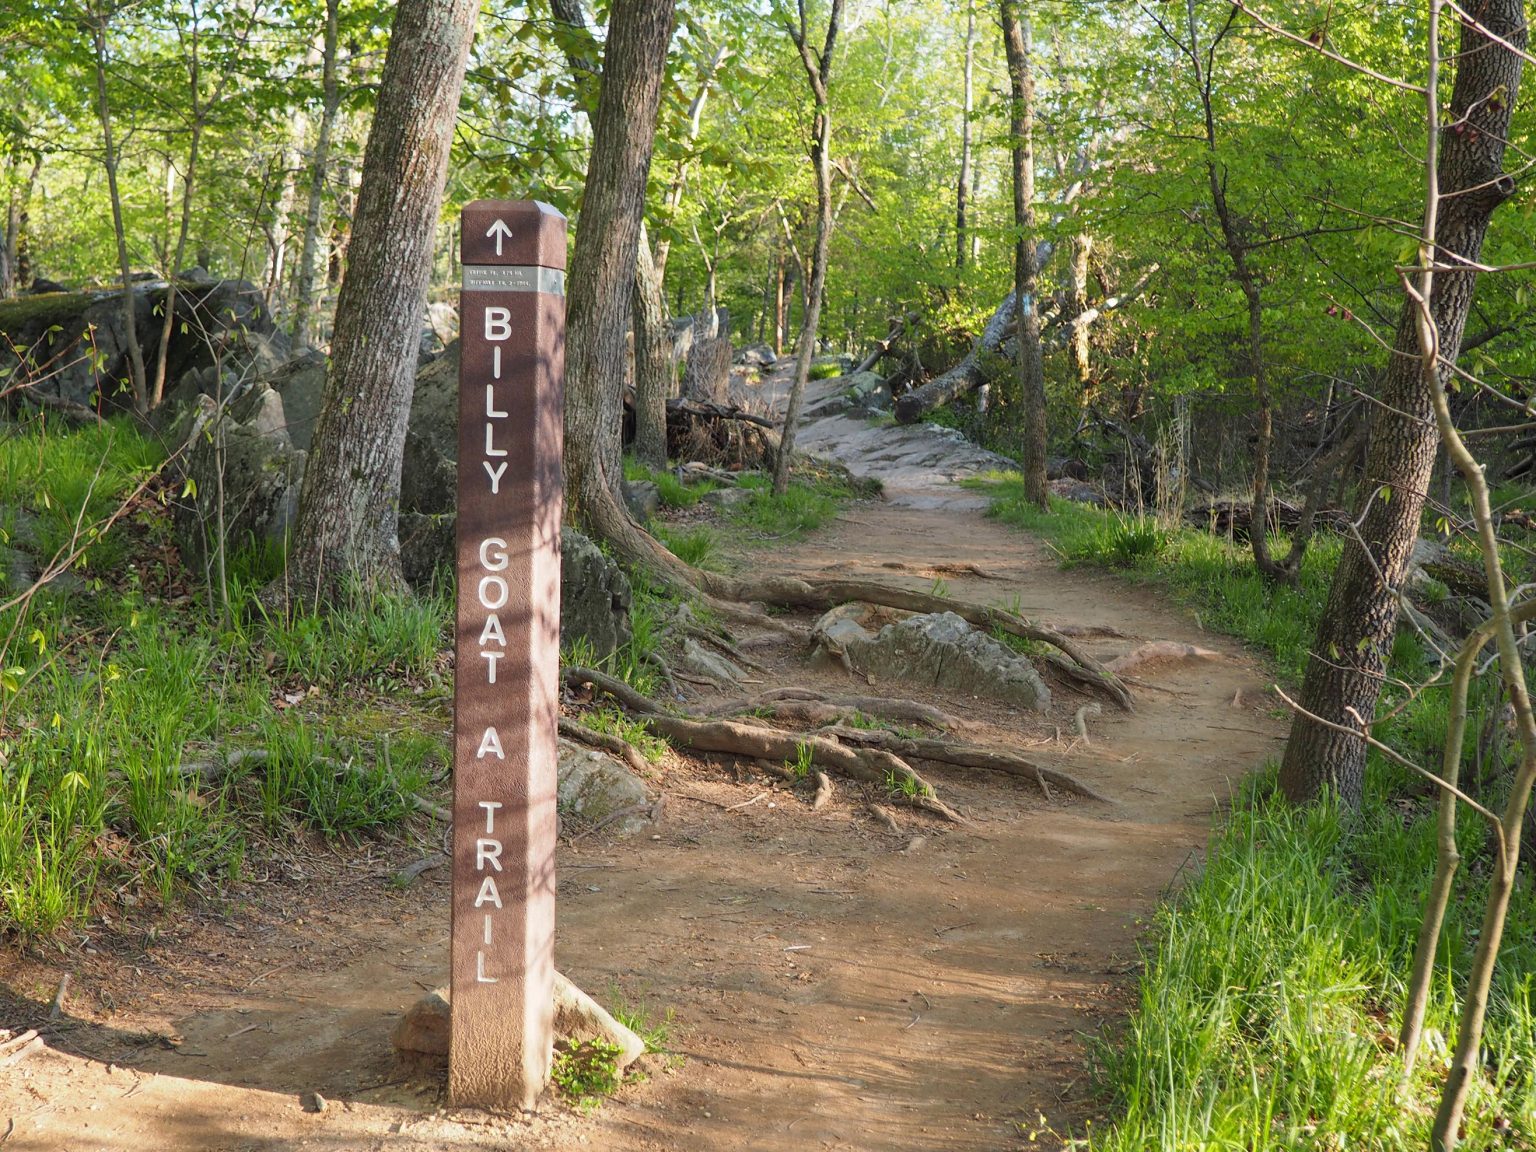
(1354, 639)
(602, 274)
(1031, 364)
(350, 507)
(818, 69)
(98, 22)
(963, 184)
(653, 360)
(309, 254)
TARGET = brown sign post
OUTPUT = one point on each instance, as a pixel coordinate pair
(506, 686)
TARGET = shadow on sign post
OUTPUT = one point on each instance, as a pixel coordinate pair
(506, 684)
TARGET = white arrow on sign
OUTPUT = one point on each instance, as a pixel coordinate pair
(501, 232)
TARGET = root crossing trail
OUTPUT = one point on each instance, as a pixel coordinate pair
(833, 984)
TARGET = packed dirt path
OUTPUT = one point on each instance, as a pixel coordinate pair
(831, 984)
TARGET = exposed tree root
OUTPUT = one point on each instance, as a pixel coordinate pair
(1159, 650)
(827, 594)
(886, 817)
(823, 795)
(1080, 719)
(975, 756)
(752, 742)
(614, 746)
(804, 706)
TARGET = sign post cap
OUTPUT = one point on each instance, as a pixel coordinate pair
(520, 232)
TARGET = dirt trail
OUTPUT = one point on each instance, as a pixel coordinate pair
(833, 985)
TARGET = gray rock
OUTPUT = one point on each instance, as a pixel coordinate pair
(726, 498)
(938, 649)
(430, 469)
(223, 320)
(262, 475)
(595, 787)
(757, 356)
(710, 665)
(594, 597)
(643, 499)
(260, 410)
(301, 384)
(426, 546)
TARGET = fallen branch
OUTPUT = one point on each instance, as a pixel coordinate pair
(411, 872)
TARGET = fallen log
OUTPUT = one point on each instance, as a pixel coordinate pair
(963, 376)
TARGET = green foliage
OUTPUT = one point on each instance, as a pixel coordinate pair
(802, 508)
(696, 546)
(825, 369)
(803, 762)
(1273, 991)
(587, 1071)
(110, 696)
(1216, 578)
(614, 721)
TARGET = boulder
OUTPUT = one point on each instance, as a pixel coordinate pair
(938, 649)
(73, 345)
(262, 475)
(426, 546)
(594, 787)
(301, 383)
(594, 597)
(757, 356)
(643, 499)
(431, 466)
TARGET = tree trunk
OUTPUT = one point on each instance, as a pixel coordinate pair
(602, 273)
(350, 508)
(819, 71)
(13, 271)
(309, 254)
(653, 360)
(963, 184)
(1031, 366)
(1354, 639)
(109, 162)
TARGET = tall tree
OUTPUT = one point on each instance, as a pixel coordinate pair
(319, 168)
(98, 19)
(818, 70)
(1017, 43)
(968, 106)
(1354, 638)
(602, 272)
(349, 512)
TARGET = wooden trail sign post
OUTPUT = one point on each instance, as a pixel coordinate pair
(507, 674)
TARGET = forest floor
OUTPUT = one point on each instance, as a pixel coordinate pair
(831, 984)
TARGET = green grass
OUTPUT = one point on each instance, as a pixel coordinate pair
(1274, 981)
(1268, 1013)
(106, 691)
(697, 546)
(802, 508)
(1216, 578)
